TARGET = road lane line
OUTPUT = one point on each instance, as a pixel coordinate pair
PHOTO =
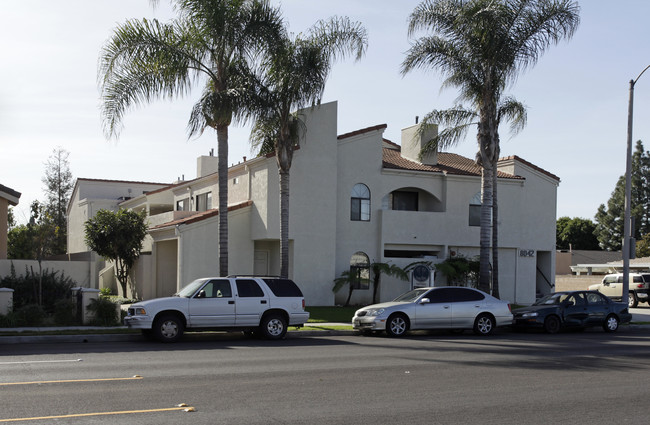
(5, 384)
(41, 361)
(81, 415)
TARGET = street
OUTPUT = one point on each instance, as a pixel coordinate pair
(524, 378)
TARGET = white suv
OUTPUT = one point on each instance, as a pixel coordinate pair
(612, 286)
(265, 304)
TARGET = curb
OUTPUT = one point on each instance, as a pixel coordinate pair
(94, 338)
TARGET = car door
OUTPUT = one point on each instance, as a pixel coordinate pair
(251, 301)
(612, 286)
(467, 304)
(436, 313)
(213, 305)
(574, 310)
(599, 307)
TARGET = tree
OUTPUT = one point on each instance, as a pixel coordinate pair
(460, 271)
(643, 246)
(294, 76)
(610, 218)
(212, 41)
(117, 236)
(481, 47)
(576, 233)
(378, 268)
(351, 277)
(11, 218)
(58, 187)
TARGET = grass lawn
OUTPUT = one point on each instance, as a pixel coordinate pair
(331, 314)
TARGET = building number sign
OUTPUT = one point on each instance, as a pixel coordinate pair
(526, 252)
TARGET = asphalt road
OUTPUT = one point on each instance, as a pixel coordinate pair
(509, 378)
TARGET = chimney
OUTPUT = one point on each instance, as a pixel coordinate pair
(206, 165)
(412, 143)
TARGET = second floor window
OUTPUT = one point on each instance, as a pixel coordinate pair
(360, 203)
(183, 205)
(204, 201)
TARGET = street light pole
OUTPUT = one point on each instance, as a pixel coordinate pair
(628, 192)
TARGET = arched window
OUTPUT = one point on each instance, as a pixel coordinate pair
(360, 270)
(360, 203)
(475, 210)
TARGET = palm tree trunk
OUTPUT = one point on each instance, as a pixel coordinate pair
(495, 231)
(284, 223)
(222, 167)
(486, 227)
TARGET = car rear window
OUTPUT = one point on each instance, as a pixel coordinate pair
(283, 288)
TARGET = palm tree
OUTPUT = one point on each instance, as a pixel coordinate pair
(211, 41)
(481, 47)
(378, 268)
(294, 76)
(456, 123)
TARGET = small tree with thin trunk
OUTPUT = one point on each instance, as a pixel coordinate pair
(117, 236)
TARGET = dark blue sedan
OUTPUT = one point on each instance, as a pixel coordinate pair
(572, 309)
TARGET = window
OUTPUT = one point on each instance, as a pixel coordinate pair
(441, 295)
(405, 201)
(204, 201)
(218, 289)
(360, 203)
(183, 205)
(283, 288)
(466, 294)
(595, 298)
(475, 210)
(360, 271)
(248, 288)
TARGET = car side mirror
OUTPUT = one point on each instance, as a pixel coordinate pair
(568, 303)
(425, 301)
(201, 294)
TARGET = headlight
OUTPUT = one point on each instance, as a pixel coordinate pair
(376, 312)
(139, 311)
(529, 315)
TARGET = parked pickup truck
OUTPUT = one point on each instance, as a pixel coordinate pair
(612, 286)
(267, 305)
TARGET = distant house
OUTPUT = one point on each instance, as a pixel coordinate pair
(356, 198)
(8, 197)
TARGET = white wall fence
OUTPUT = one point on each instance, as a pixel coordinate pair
(83, 271)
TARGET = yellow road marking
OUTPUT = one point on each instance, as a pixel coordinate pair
(4, 384)
(81, 415)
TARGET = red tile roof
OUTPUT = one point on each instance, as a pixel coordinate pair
(449, 163)
(202, 215)
(362, 131)
(531, 165)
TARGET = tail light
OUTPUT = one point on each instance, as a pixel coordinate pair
(639, 285)
(303, 303)
(509, 308)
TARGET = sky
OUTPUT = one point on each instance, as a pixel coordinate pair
(577, 96)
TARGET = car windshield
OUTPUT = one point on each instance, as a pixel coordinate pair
(551, 299)
(411, 296)
(190, 289)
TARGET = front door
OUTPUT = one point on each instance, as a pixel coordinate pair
(213, 305)
(437, 312)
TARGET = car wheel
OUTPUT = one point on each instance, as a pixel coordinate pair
(632, 302)
(484, 324)
(552, 324)
(168, 328)
(273, 326)
(611, 323)
(397, 325)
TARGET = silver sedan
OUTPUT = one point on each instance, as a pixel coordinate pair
(447, 307)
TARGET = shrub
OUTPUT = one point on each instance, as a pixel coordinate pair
(55, 286)
(105, 292)
(105, 312)
(65, 312)
(29, 315)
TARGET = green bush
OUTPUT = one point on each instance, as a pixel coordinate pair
(105, 292)
(54, 284)
(65, 312)
(105, 312)
(29, 315)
